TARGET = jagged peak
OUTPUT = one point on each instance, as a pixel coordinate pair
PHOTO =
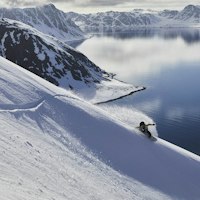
(191, 7)
(50, 6)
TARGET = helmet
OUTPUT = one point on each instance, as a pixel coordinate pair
(142, 123)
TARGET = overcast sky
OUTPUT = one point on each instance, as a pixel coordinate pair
(86, 6)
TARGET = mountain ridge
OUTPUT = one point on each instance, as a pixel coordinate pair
(47, 19)
(71, 26)
(189, 13)
(139, 18)
(46, 56)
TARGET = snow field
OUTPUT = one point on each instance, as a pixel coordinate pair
(54, 145)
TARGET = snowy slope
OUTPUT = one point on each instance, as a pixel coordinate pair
(190, 13)
(57, 62)
(46, 56)
(56, 146)
(47, 19)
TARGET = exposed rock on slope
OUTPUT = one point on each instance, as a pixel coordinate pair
(47, 57)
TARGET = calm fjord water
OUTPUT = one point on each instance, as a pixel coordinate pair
(167, 62)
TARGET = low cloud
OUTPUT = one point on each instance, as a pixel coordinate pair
(103, 3)
(93, 2)
(110, 3)
(22, 3)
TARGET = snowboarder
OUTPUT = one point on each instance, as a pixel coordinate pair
(144, 128)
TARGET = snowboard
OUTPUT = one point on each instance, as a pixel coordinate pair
(153, 138)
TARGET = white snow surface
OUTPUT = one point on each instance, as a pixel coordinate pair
(54, 145)
(108, 90)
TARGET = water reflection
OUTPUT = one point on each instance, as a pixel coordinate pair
(191, 35)
(168, 63)
(133, 59)
(175, 100)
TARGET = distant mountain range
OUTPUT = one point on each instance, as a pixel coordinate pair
(118, 21)
(109, 21)
(46, 56)
(69, 26)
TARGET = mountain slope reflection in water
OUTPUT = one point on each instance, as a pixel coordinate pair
(168, 63)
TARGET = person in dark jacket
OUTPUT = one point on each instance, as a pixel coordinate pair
(144, 128)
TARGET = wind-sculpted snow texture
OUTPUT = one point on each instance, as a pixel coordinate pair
(55, 145)
(47, 19)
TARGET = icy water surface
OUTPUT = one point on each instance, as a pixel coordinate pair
(167, 62)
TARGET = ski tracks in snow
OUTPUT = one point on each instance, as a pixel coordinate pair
(22, 108)
(30, 107)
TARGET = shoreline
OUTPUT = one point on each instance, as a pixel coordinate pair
(121, 97)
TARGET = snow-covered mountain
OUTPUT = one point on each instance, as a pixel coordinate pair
(45, 56)
(57, 62)
(55, 145)
(69, 26)
(170, 14)
(190, 13)
(137, 18)
(109, 21)
(47, 19)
